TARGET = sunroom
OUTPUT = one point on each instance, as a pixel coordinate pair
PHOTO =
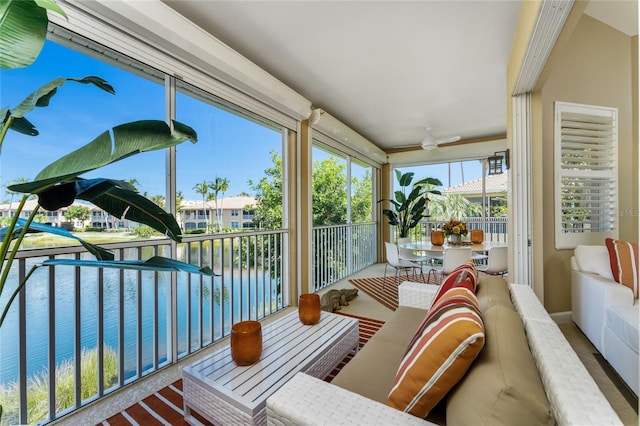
(313, 159)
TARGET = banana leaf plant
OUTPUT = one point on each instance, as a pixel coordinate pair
(410, 203)
(24, 30)
(59, 184)
(23, 26)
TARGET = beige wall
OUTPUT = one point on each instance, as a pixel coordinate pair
(593, 67)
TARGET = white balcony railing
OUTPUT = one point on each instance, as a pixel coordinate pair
(340, 250)
(495, 228)
(135, 322)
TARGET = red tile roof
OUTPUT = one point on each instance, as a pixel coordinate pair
(494, 184)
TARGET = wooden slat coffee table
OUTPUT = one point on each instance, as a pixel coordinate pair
(225, 393)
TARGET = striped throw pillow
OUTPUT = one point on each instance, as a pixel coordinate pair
(465, 274)
(623, 257)
(461, 277)
(451, 340)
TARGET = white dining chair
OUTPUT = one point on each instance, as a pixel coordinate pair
(451, 259)
(409, 254)
(393, 260)
(497, 262)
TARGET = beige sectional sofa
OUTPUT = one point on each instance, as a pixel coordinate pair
(526, 373)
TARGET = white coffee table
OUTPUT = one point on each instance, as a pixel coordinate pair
(225, 393)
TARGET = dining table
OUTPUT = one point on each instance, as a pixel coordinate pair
(437, 251)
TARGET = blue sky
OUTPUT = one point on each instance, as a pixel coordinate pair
(79, 113)
(450, 174)
(229, 146)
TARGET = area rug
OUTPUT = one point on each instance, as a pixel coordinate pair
(367, 328)
(389, 295)
(166, 405)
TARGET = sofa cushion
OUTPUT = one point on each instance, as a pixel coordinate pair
(623, 257)
(623, 322)
(503, 387)
(372, 371)
(400, 328)
(452, 338)
(593, 259)
(493, 291)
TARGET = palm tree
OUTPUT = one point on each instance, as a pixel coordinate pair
(452, 206)
(159, 200)
(204, 188)
(179, 200)
(12, 193)
(134, 182)
(220, 186)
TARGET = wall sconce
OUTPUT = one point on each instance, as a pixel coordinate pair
(495, 162)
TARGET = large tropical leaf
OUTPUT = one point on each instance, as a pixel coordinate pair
(24, 126)
(23, 29)
(115, 197)
(42, 96)
(392, 216)
(97, 251)
(128, 139)
(405, 179)
(156, 263)
(429, 181)
(120, 202)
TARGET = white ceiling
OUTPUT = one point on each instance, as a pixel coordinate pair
(387, 69)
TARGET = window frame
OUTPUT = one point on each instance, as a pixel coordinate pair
(604, 178)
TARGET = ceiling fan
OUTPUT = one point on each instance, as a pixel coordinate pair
(429, 142)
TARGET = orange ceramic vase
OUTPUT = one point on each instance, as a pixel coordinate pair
(437, 238)
(246, 342)
(477, 236)
(309, 308)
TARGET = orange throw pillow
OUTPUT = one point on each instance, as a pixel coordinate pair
(623, 257)
(451, 340)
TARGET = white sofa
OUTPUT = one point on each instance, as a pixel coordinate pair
(572, 394)
(605, 311)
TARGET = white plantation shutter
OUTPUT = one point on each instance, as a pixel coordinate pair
(586, 179)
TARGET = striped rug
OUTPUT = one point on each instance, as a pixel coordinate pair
(165, 407)
(389, 295)
(367, 328)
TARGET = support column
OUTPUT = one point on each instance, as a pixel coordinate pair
(303, 197)
(384, 230)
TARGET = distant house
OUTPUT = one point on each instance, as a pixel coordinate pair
(99, 218)
(495, 190)
(102, 219)
(236, 213)
(53, 218)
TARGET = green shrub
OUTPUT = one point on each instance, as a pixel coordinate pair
(92, 229)
(38, 387)
(144, 231)
(195, 231)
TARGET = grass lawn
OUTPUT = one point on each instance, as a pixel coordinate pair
(48, 240)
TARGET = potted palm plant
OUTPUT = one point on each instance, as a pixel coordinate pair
(410, 202)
